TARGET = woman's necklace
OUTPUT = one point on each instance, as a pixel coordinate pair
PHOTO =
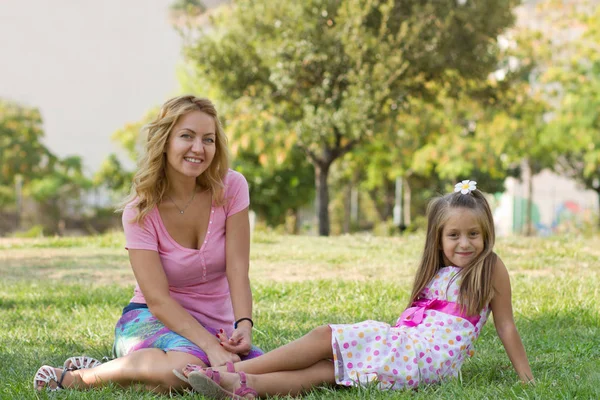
(182, 210)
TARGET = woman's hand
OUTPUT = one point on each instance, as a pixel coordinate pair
(218, 355)
(240, 341)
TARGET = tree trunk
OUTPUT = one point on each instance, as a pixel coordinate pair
(598, 192)
(529, 215)
(292, 221)
(322, 163)
(354, 208)
(322, 203)
(384, 199)
(347, 208)
(406, 206)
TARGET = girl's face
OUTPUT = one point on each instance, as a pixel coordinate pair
(462, 238)
(191, 146)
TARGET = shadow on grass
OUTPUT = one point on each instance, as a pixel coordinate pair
(104, 266)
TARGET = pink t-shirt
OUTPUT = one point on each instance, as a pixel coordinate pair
(196, 278)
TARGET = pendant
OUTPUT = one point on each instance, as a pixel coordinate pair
(181, 212)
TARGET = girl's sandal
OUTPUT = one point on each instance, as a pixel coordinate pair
(44, 376)
(208, 385)
(197, 368)
(81, 362)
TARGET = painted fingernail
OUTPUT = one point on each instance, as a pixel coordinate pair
(221, 344)
(221, 330)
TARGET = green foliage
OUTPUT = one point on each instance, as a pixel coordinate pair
(65, 180)
(59, 192)
(113, 176)
(7, 195)
(275, 188)
(21, 149)
(575, 129)
(189, 7)
(338, 73)
(36, 231)
(132, 136)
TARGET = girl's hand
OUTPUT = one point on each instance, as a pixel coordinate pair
(240, 341)
(528, 381)
(218, 355)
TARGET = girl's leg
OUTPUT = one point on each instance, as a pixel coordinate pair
(302, 353)
(151, 367)
(284, 383)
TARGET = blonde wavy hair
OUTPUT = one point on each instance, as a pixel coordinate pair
(150, 181)
(476, 289)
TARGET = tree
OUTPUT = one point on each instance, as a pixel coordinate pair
(59, 191)
(560, 78)
(575, 129)
(336, 71)
(22, 152)
(112, 174)
(432, 144)
(187, 7)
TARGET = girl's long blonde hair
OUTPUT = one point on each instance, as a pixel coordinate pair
(150, 181)
(476, 289)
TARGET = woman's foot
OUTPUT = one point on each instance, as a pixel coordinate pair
(52, 379)
(80, 362)
(224, 385)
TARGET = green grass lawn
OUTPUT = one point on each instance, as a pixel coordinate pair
(62, 296)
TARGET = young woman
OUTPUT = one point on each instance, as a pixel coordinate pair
(187, 233)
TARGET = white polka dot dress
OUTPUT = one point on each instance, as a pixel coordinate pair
(405, 356)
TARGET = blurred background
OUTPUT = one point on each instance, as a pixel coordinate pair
(344, 115)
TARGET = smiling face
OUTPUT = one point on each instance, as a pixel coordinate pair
(462, 237)
(191, 145)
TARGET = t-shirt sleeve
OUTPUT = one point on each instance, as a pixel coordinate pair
(139, 237)
(237, 193)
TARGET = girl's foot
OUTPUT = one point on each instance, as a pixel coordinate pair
(228, 367)
(223, 385)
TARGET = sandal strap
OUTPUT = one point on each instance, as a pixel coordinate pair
(229, 366)
(244, 389)
(81, 362)
(214, 375)
(194, 367)
(46, 375)
(62, 377)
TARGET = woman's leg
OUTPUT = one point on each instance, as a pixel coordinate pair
(302, 353)
(151, 367)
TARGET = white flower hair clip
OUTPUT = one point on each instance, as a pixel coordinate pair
(465, 186)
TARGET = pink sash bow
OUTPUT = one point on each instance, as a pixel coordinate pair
(414, 315)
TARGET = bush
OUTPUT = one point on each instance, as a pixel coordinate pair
(35, 231)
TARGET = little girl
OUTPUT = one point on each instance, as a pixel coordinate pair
(459, 281)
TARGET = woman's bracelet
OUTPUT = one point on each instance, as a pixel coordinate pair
(235, 324)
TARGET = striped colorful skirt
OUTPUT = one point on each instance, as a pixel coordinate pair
(139, 329)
